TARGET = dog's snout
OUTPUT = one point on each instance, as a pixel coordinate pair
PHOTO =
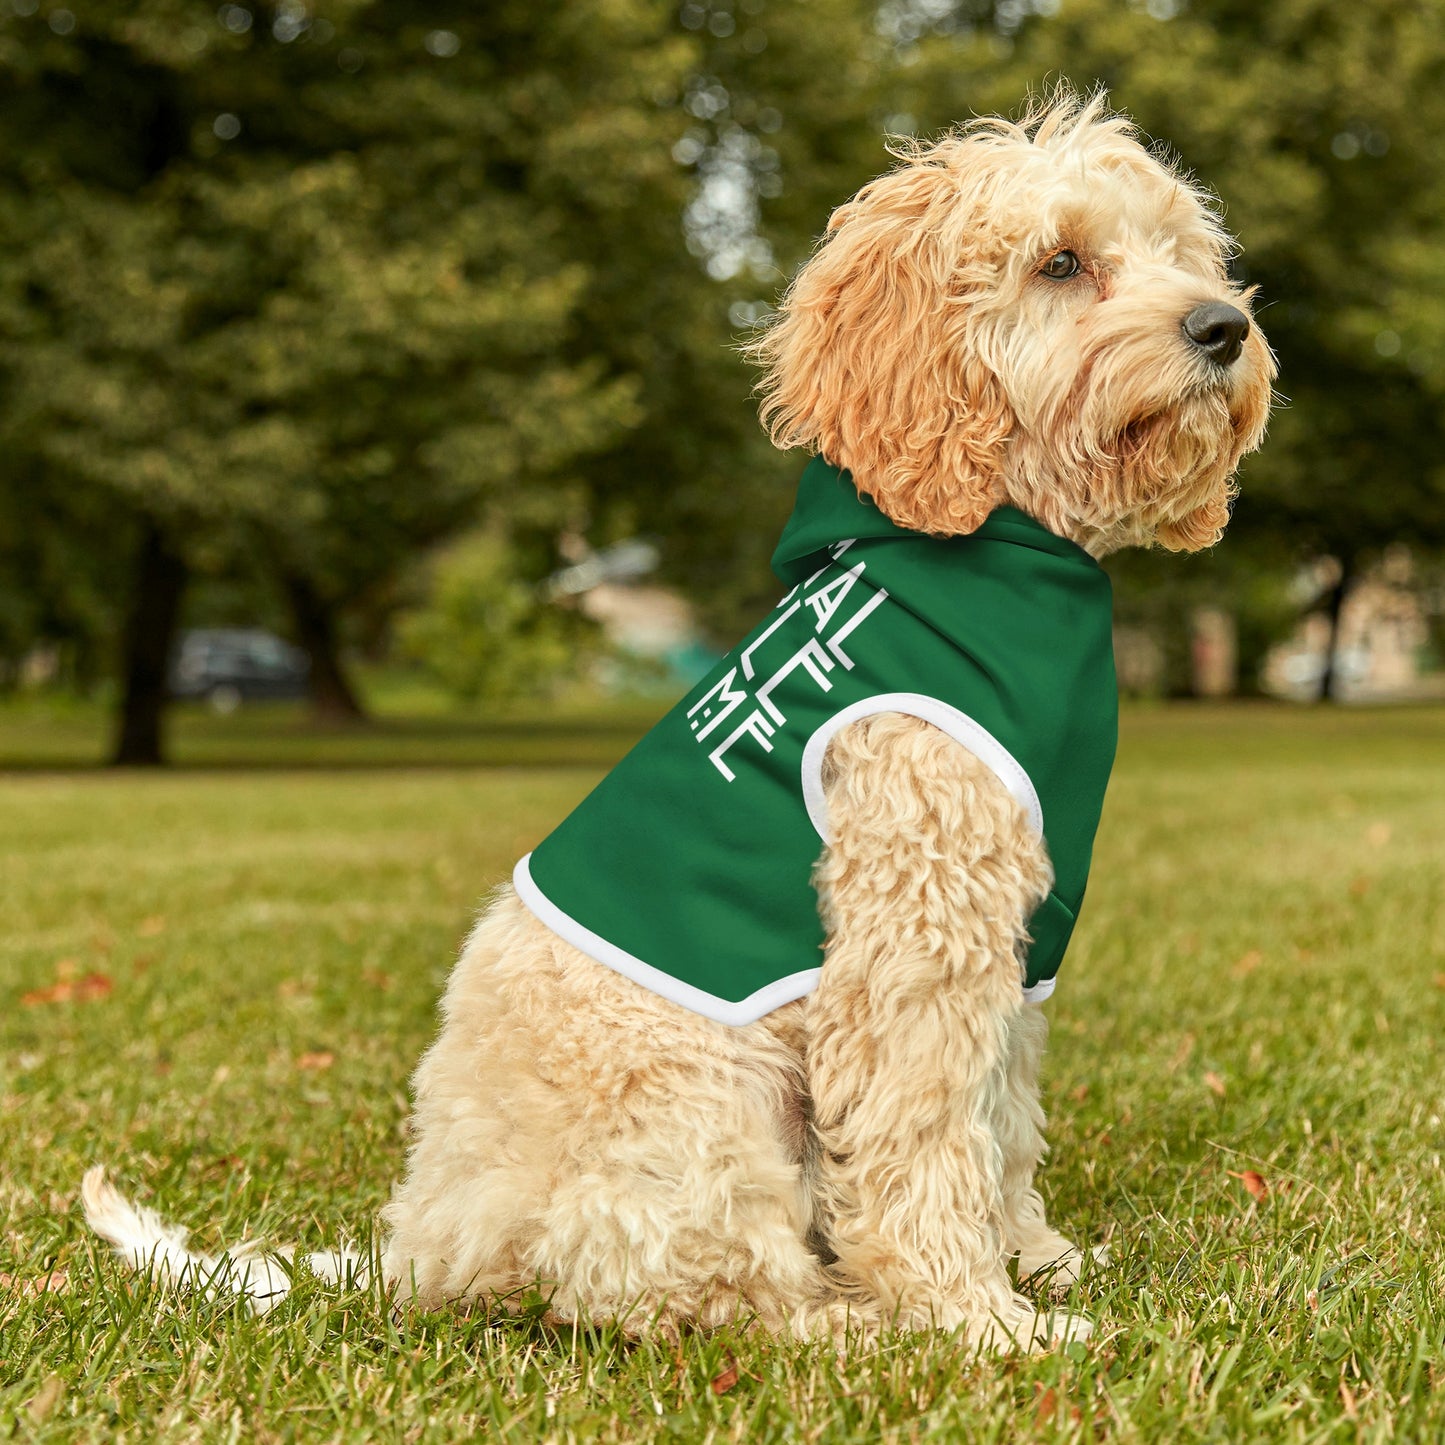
(1218, 330)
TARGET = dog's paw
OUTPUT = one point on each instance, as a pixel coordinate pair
(1058, 1269)
(1025, 1327)
(1060, 1327)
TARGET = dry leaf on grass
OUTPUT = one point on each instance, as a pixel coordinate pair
(724, 1382)
(1254, 1183)
(56, 1282)
(66, 990)
(1046, 1407)
(1248, 963)
(1214, 1083)
(320, 1059)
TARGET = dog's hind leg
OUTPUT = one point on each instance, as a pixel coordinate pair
(679, 1197)
(578, 1136)
(925, 889)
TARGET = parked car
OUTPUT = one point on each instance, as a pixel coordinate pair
(230, 665)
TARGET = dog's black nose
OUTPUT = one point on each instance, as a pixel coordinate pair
(1218, 331)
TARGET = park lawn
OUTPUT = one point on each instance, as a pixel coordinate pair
(217, 980)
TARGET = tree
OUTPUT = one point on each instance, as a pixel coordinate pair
(304, 287)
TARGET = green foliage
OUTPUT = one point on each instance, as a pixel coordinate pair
(317, 286)
(1263, 914)
(488, 635)
(322, 295)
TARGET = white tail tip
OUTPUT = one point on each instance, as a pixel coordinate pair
(147, 1243)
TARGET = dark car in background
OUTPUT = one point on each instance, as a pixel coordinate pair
(227, 666)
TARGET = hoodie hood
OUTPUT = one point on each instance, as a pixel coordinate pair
(830, 509)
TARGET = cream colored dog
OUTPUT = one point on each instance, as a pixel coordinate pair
(1035, 314)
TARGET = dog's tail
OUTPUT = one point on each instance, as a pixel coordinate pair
(147, 1243)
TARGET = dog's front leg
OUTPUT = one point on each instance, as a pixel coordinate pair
(1042, 1251)
(926, 888)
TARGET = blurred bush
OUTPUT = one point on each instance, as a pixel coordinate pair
(488, 635)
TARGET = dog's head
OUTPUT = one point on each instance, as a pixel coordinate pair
(1035, 313)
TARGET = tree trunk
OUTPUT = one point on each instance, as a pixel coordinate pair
(333, 699)
(150, 631)
(1329, 678)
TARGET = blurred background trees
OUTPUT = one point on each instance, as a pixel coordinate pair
(294, 295)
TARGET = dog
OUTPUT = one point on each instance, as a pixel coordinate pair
(655, 1094)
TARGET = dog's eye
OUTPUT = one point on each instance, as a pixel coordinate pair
(1060, 266)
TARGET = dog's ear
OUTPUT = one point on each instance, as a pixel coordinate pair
(874, 358)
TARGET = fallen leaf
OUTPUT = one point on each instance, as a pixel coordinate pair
(82, 990)
(1046, 1407)
(56, 993)
(56, 1282)
(151, 927)
(320, 1059)
(1248, 963)
(1254, 1182)
(1377, 834)
(724, 1382)
(1080, 1094)
(1440, 980)
(1214, 1083)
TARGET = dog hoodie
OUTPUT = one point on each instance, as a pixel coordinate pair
(688, 868)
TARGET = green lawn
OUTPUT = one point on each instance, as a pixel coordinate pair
(217, 979)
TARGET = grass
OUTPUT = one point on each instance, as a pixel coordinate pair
(216, 980)
(409, 729)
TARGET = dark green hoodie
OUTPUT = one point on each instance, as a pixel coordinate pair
(688, 868)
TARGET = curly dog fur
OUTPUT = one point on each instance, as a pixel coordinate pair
(866, 1156)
